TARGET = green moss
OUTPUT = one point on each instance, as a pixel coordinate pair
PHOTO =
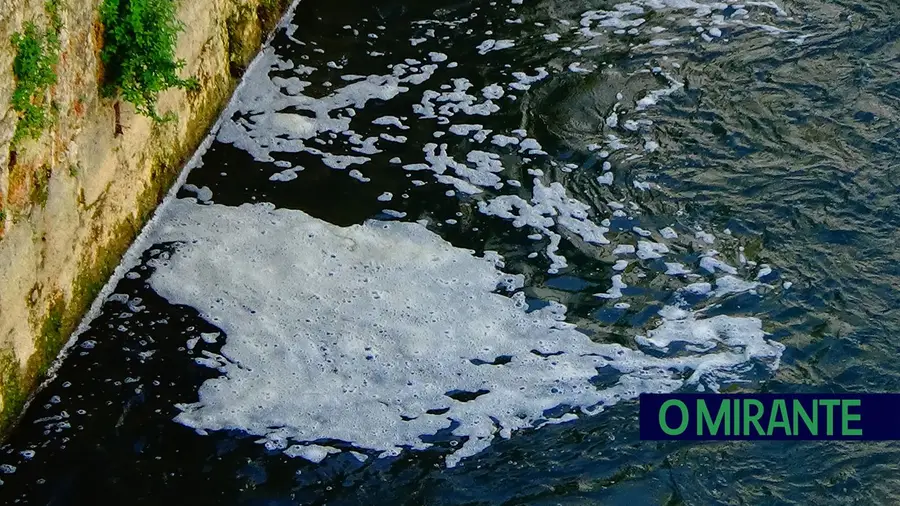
(49, 341)
(265, 10)
(58, 324)
(270, 11)
(37, 53)
(238, 48)
(263, 19)
(61, 319)
(12, 389)
(40, 188)
(51, 7)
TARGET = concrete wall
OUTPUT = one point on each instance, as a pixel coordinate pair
(74, 199)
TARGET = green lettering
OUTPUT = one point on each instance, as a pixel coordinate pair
(754, 418)
(779, 410)
(846, 417)
(704, 417)
(684, 417)
(829, 416)
(812, 424)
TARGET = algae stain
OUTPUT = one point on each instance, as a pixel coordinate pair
(57, 324)
(28, 186)
(12, 393)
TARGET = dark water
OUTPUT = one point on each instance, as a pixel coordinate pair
(784, 133)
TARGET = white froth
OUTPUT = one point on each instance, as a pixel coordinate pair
(203, 194)
(390, 120)
(373, 334)
(606, 179)
(286, 175)
(676, 269)
(495, 45)
(615, 291)
(742, 336)
(712, 264)
(312, 453)
(355, 174)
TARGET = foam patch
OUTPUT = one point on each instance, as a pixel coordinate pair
(373, 337)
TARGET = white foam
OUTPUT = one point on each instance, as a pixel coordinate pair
(355, 174)
(264, 131)
(712, 264)
(355, 334)
(743, 337)
(400, 139)
(615, 291)
(729, 284)
(464, 130)
(495, 45)
(286, 175)
(676, 269)
(623, 249)
(390, 120)
(312, 453)
(493, 92)
(203, 194)
(648, 250)
(668, 233)
(606, 179)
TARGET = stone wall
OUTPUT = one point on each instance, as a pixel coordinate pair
(72, 201)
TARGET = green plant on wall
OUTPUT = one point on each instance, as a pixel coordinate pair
(51, 7)
(139, 51)
(33, 66)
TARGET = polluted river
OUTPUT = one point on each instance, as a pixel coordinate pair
(433, 252)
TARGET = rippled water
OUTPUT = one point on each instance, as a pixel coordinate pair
(675, 177)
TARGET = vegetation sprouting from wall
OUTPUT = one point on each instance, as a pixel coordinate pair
(139, 52)
(34, 67)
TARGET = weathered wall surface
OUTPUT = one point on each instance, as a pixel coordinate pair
(72, 201)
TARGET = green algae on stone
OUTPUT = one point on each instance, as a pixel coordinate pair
(12, 393)
(55, 321)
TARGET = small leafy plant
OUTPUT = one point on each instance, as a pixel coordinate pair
(36, 56)
(139, 52)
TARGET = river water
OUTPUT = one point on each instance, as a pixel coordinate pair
(432, 253)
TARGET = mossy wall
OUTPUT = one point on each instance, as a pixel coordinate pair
(73, 199)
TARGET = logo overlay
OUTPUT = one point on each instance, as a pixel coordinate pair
(769, 416)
